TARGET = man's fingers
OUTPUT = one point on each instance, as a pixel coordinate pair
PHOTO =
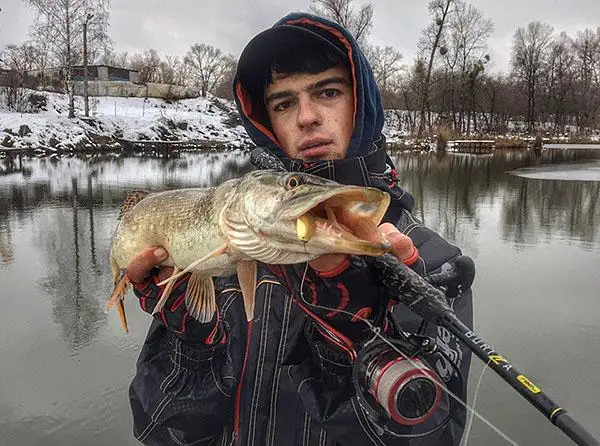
(402, 245)
(140, 266)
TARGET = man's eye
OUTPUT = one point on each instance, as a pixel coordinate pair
(282, 106)
(330, 93)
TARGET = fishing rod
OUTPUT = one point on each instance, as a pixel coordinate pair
(423, 298)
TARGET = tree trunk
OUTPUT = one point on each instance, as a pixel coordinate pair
(425, 104)
(86, 102)
(69, 76)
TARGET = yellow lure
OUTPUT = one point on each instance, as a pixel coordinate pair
(305, 227)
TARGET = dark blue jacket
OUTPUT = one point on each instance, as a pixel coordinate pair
(279, 380)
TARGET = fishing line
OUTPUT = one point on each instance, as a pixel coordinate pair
(377, 334)
(477, 388)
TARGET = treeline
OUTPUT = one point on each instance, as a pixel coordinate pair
(553, 82)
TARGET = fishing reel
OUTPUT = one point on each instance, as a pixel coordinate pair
(398, 387)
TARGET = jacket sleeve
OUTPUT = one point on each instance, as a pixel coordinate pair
(182, 393)
(343, 297)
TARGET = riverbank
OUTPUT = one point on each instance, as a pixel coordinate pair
(159, 126)
(116, 123)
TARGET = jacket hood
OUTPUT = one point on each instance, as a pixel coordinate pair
(368, 109)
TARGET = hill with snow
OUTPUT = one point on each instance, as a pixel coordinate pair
(114, 120)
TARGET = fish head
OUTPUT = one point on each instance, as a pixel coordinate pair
(280, 217)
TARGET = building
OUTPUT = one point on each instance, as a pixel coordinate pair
(53, 77)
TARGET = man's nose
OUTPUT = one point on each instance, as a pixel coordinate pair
(308, 112)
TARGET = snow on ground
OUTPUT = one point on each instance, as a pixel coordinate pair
(190, 120)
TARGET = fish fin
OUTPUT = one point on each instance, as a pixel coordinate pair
(131, 200)
(122, 317)
(165, 294)
(200, 298)
(217, 252)
(118, 295)
(246, 272)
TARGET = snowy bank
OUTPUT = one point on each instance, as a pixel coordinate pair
(115, 120)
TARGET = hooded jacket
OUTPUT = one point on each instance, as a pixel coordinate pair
(280, 379)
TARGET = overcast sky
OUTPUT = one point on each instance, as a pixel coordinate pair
(171, 27)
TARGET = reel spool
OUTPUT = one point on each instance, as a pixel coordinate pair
(402, 393)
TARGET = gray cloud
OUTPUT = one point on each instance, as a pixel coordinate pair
(171, 27)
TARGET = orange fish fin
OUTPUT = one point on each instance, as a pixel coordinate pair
(246, 272)
(118, 296)
(165, 294)
(200, 298)
(122, 317)
(217, 252)
(131, 200)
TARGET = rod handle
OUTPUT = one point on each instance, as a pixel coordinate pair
(574, 430)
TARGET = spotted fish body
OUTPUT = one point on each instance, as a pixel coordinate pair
(183, 221)
(261, 216)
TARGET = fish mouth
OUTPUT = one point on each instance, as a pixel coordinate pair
(343, 220)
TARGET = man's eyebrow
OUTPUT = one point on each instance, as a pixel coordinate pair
(320, 84)
(327, 81)
(279, 95)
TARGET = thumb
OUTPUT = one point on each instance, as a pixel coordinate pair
(141, 265)
(402, 245)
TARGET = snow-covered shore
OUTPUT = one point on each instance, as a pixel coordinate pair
(115, 119)
(116, 122)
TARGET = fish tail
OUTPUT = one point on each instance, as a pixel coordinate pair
(121, 282)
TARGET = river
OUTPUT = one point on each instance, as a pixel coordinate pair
(530, 223)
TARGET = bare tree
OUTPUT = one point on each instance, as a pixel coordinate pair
(113, 59)
(587, 66)
(224, 87)
(23, 57)
(465, 46)
(560, 80)
(357, 21)
(170, 71)
(59, 26)
(530, 61)
(148, 64)
(386, 63)
(208, 65)
(440, 9)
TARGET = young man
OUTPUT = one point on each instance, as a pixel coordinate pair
(306, 94)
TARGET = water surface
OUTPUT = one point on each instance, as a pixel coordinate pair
(533, 233)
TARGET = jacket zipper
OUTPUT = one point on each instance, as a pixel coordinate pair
(238, 391)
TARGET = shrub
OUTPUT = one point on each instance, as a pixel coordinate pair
(37, 102)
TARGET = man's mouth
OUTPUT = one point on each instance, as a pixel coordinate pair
(315, 148)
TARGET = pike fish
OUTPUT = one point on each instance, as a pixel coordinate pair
(265, 216)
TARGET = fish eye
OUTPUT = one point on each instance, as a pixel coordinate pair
(292, 182)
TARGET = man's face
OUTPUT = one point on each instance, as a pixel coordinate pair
(312, 114)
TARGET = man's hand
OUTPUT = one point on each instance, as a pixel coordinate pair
(174, 314)
(402, 249)
(141, 265)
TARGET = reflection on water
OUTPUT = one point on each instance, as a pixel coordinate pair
(452, 191)
(589, 171)
(66, 362)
